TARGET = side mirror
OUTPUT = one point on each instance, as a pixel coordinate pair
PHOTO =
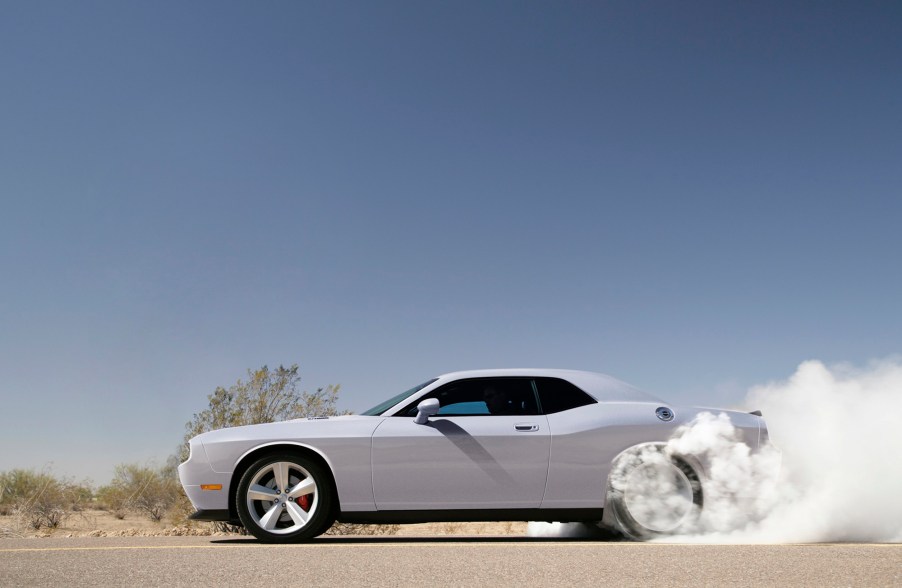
(426, 409)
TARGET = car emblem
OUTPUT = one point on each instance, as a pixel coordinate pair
(664, 413)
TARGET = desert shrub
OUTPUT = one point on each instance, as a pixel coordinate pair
(81, 495)
(151, 491)
(114, 499)
(451, 528)
(39, 499)
(267, 396)
(356, 529)
(7, 492)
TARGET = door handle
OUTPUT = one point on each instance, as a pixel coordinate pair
(526, 427)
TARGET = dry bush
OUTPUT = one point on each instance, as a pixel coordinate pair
(267, 396)
(81, 496)
(148, 490)
(179, 511)
(40, 500)
(113, 499)
(221, 527)
(356, 529)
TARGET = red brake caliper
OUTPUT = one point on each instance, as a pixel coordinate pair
(304, 501)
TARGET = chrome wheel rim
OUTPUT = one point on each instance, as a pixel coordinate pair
(658, 496)
(282, 497)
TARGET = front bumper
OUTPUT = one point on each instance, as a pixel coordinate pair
(214, 515)
(195, 472)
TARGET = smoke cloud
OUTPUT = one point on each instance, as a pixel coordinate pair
(841, 437)
(832, 473)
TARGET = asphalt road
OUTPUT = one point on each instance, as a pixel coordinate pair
(478, 561)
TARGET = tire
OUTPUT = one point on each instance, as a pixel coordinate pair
(275, 514)
(654, 494)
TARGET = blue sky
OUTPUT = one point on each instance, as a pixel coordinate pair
(692, 197)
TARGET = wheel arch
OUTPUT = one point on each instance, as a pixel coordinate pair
(249, 457)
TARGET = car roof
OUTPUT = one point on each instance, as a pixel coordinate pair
(602, 387)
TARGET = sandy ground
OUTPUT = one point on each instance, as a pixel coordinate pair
(98, 523)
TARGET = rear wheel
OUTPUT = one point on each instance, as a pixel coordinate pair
(654, 494)
(285, 498)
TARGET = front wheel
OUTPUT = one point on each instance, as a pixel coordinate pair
(285, 498)
(654, 494)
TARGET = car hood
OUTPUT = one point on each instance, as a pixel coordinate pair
(314, 427)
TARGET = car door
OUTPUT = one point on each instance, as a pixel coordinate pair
(486, 448)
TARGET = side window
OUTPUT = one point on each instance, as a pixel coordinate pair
(559, 395)
(482, 396)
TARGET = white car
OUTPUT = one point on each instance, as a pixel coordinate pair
(487, 445)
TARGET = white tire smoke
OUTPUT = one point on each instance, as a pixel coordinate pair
(839, 430)
(839, 477)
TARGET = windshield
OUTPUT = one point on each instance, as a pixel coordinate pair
(383, 406)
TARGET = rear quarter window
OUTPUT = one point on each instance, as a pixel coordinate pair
(558, 395)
